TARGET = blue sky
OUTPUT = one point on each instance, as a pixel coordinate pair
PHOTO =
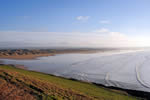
(73, 18)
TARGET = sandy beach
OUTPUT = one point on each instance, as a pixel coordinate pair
(28, 55)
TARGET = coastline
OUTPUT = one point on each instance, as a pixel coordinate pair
(27, 54)
(34, 56)
(90, 91)
(25, 57)
(132, 92)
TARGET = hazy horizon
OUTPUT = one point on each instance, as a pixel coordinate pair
(86, 23)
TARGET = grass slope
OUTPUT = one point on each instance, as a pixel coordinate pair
(16, 84)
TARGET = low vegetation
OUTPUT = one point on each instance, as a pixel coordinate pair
(34, 53)
(20, 84)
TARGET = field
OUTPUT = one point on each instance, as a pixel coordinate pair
(16, 84)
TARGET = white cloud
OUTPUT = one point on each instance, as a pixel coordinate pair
(82, 18)
(102, 30)
(104, 22)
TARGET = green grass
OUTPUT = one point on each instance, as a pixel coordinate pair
(88, 89)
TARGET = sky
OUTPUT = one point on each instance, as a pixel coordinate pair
(74, 23)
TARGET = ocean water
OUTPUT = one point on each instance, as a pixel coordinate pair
(124, 69)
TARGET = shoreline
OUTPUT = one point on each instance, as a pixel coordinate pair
(132, 92)
(27, 54)
(28, 80)
(136, 93)
(34, 56)
(25, 57)
(139, 94)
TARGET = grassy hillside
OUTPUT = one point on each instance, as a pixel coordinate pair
(16, 84)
